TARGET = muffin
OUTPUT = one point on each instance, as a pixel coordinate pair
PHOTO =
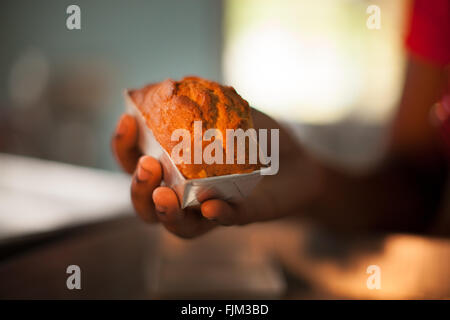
(171, 105)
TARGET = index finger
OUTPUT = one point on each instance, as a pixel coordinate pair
(125, 143)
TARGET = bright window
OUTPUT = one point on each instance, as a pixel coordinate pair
(315, 61)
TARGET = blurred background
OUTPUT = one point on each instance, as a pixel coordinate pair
(61, 85)
(313, 65)
(298, 60)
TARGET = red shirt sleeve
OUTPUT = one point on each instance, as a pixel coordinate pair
(429, 31)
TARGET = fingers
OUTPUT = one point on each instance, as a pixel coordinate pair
(146, 179)
(124, 143)
(154, 203)
(220, 211)
(186, 223)
(166, 205)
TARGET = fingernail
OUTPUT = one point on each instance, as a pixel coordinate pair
(142, 174)
(160, 210)
(160, 213)
(146, 163)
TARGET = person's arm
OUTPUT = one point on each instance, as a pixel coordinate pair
(404, 192)
(401, 194)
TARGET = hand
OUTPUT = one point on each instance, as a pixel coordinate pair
(154, 203)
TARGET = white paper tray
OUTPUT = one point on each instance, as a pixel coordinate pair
(191, 192)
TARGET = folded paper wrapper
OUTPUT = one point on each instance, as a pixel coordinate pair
(191, 192)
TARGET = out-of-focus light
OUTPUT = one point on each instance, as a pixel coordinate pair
(281, 74)
(314, 61)
(41, 196)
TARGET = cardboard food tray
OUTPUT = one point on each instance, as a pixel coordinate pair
(191, 192)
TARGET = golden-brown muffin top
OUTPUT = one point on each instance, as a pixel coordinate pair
(171, 105)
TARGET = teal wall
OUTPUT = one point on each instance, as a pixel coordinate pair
(135, 42)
